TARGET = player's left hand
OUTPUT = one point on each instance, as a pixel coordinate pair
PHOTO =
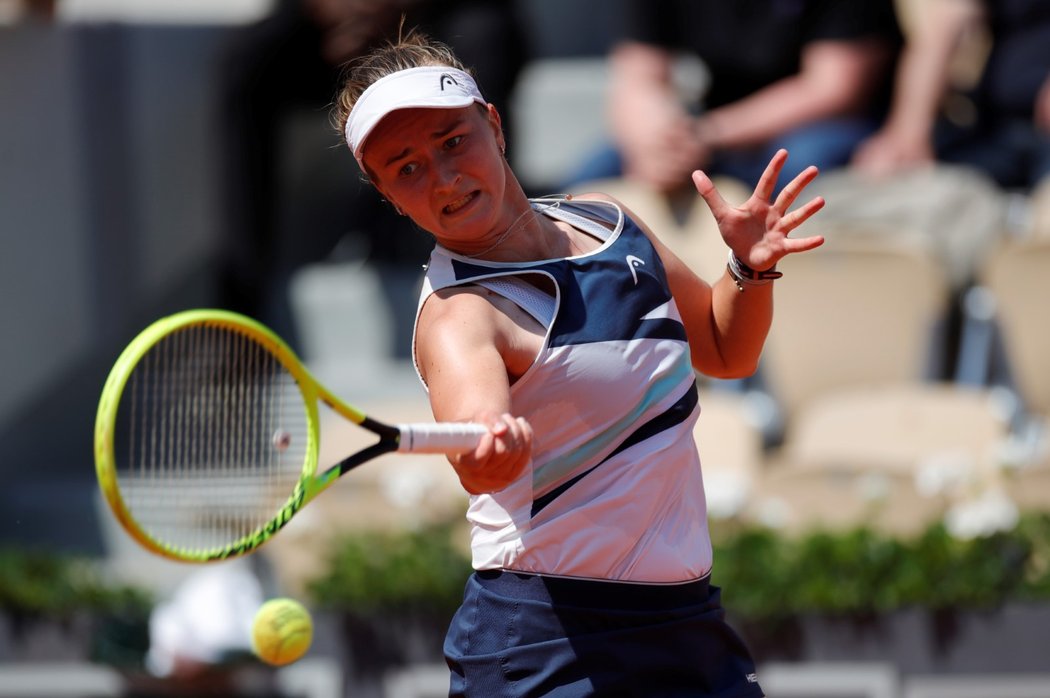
(757, 230)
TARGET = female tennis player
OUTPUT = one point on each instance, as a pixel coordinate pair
(568, 328)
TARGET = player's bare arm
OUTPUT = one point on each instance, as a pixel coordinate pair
(469, 351)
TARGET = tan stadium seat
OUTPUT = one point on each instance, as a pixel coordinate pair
(1018, 276)
(851, 358)
(857, 313)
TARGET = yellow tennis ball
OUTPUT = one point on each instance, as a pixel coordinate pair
(282, 631)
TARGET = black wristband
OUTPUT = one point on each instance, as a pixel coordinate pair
(744, 275)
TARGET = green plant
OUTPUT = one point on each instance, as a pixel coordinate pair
(861, 571)
(764, 574)
(34, 582)
(417, 571)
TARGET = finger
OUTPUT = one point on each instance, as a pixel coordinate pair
(768, 181)
(801, 214)
(513, 425)
(793, 245)
(486, 446)
(526, 433)
(790, 193)
(706, 188)
(526, 428)
(517, 442)
(508, 441)
(497, 425)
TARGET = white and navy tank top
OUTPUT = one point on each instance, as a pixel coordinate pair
(614, 489)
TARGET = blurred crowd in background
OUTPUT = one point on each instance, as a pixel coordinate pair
(880, 89)
(930, 122)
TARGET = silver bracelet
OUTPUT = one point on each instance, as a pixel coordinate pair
(744, 275)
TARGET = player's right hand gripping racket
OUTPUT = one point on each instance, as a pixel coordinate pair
(207, 436)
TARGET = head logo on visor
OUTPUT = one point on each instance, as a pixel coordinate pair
(428, 87)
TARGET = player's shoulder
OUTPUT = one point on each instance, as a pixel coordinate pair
(464, 298)
(455, 306)
(457, 319)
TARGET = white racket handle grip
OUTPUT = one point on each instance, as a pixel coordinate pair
(440, 437)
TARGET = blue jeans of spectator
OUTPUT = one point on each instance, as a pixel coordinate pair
(1013, 152)
(827, 144)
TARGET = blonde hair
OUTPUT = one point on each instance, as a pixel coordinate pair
(413, 49)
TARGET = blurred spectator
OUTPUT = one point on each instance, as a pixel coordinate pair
(1008, 134)
(812, 76)
(15, 11)
(289, 65)
(207, 621)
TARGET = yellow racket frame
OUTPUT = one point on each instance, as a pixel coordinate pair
(308, 485)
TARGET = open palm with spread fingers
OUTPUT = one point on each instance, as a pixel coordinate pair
(757, 230)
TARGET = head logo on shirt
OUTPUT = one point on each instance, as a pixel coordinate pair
(633, 263)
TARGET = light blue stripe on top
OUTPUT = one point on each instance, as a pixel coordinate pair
(549, 475)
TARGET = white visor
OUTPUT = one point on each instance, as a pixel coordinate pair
(434, 87)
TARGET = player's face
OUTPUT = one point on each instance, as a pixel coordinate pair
(443, 168)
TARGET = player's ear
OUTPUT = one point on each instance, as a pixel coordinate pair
(496, 123)
(374, 181)
(386, 197)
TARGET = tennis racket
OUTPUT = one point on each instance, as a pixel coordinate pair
(207, 436)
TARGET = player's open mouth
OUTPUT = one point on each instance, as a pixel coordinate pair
(460, 203)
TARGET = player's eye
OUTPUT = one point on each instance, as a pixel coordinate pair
(453, 142)
(407, 169)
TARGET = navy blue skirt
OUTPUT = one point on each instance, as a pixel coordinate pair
(519, 635)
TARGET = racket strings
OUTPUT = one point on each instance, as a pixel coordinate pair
(215, 438)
